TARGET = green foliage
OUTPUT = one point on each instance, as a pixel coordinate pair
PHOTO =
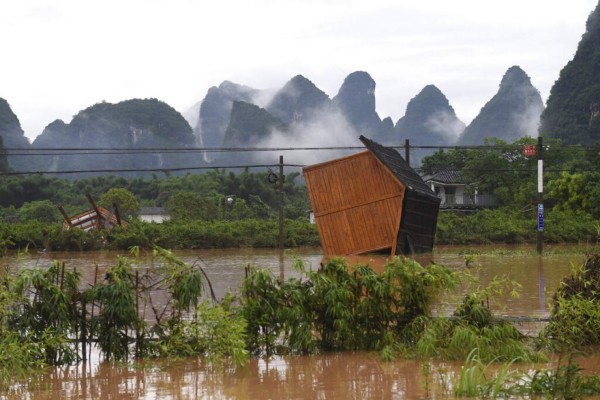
(48, 310)
(338, 308)
(566, 381)
(184, 282)
(575, 314)
(182, 235)
(118, 314)
(42, 211)
(214, 332)
(509, 225)
(476, 379)
(254, 195)
(126, 201)
(473, 326)
(189, 206)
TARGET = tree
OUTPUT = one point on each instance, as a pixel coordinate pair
(42, 211)
(190, 206)
(576, 192)
(128, 204)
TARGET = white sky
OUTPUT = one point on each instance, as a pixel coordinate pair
(58, 57)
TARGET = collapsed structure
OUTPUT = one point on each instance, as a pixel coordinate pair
(372, 201)
(94, 219)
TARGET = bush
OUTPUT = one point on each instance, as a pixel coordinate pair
(575, 315)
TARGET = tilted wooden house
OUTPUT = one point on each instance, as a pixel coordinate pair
(371, 201)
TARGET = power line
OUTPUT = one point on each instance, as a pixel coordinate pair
(21, 151)
(180, 169)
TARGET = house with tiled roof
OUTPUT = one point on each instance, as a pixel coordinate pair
(456, 192)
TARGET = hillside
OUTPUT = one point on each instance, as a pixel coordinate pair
(131, 124)
(573, 107)
(429, 120)
(12, 135)
(512, 113)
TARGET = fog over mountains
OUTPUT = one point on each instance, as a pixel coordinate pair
(302, 115)
(299, 114)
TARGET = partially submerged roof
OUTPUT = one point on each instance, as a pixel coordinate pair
(398, 166)
(371, 201)
(93, 220)
(152, 211)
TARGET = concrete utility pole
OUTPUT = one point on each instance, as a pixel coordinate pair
(540, 197)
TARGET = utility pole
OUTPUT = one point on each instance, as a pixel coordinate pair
(281, 179)
(407, 151)
(540, 197)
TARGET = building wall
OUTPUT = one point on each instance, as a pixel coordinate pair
(158, 218)
(357, 204)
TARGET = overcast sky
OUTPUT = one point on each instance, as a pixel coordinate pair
(58, 57)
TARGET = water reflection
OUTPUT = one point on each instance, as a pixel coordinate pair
(541, 284)
(328, 376)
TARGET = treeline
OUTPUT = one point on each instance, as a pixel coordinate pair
(571, 174)
(191, 196)
(221, 208)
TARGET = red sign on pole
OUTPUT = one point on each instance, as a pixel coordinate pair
(529, 149)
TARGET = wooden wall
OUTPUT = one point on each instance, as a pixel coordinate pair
(357, 204)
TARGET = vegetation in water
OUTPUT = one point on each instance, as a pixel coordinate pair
(575, 313)
(483, 380)
(472, 326)
(47, 319)
(338, 307)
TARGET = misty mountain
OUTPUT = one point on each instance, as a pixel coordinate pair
(12, 135)
(356, 101)
(299, 100)
(512, 113)
(131, 124)
(429, 120)
(215, 111)
(249, 126)
(3, 159)
(573, 107)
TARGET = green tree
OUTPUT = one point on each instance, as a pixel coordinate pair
(42, 211)
(127, 202)
(576, 192)
(190, 206)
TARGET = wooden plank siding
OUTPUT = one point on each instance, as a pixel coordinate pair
(357, 204)
(90, 221)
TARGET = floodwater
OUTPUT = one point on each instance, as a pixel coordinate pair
(326, 376)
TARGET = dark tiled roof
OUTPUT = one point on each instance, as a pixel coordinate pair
(152, 211)
(399, 167)
(445, 176)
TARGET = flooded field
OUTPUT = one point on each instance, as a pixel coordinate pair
(340, 375)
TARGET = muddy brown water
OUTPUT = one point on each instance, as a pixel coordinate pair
(327, 376)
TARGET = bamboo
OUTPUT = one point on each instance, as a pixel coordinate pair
(93, 304)
(83, 330)
(137, 309)
(62, 276)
